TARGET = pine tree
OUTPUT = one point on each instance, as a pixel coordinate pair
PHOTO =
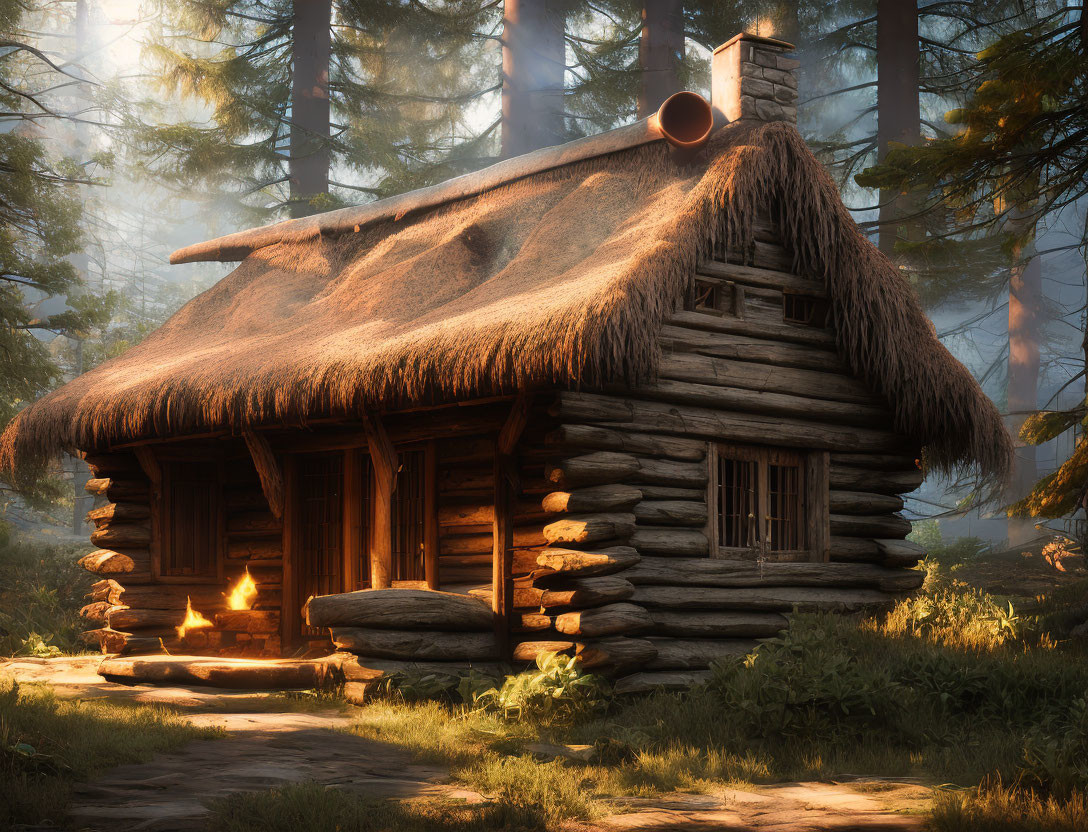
(39, 230)
(315, 103)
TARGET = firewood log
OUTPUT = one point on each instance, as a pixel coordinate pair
(118, 513)
(415, 609)
(411, 645)
(122, 536)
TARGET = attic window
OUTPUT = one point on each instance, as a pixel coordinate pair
(706, 296)
(804, 310)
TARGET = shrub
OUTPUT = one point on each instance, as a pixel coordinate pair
(42, 589)
(558, 692)
(1056, 751)
(966, 618)
(807, 685)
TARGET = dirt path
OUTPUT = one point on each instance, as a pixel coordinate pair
(265, 749)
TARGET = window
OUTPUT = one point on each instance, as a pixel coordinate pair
(714, 296)
(803, 309)
(759, 505)
(191, 520)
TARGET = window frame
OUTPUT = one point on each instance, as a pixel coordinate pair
(815, 500)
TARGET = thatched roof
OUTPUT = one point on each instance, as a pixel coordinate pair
(559, 277)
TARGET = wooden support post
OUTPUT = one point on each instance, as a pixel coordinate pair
(818, 503)
(268, 469)
(383, 458)
(430, 521)
(506, 488)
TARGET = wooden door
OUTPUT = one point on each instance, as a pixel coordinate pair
(317, 530)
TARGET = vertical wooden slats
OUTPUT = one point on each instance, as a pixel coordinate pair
(191, 520)
(320, 532)
(506, 487)
(409, 524)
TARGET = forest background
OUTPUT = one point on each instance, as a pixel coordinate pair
(128, 128)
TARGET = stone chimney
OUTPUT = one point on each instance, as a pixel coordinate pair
(753, 80)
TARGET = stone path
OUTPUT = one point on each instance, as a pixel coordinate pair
(265, 749)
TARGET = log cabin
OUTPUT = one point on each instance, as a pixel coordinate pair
(637, 397)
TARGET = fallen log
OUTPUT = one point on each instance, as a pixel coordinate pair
(649, 682)
(412, 645)
(584, 564)
(587, 592)
(694, 653)
(673, 542)
(881, 525)
(589, 528)
(610, 497)
(613, 619)
(597, 438)
(670, 513)
(415, 609)
(353, 668)
(711, 624)
(118, 513)
(741, 573)
(860, 502)
(763, 599)
(244, 674)
(122, 536)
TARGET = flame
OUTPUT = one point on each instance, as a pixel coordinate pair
(244, 593)
(193, 619)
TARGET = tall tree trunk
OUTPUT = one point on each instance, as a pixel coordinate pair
(311, 48)
(660, 51)
(533, 66)
(898, 114)
(1025, 322)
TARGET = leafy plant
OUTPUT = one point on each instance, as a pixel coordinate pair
(807, 686)
(558, 692)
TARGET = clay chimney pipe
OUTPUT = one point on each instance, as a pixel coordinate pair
(684, 120)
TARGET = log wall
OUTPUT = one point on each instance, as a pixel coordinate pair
(628, 578)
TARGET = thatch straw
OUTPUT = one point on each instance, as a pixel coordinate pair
(560, 278)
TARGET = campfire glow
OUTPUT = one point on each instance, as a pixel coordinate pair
(193, 619)
(244, 593)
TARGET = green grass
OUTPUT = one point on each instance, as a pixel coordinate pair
(952, 688)
(47, 744)
(1000, 809)
(42, 589)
